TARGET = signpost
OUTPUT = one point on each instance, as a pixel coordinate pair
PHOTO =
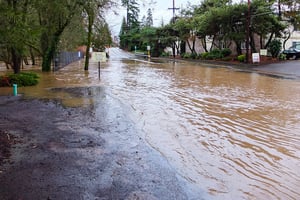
(99, 57)
(148, 49)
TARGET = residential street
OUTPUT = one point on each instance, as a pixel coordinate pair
(153, 130)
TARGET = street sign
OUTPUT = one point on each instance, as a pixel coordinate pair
(255, 58)
(99, 57)
(263, 52)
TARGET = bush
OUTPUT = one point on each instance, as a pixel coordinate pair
(241, 58)
(216, 53)
(21, 79)
(185, 55)
(282, 56)
(189, 55)
(165, 54)
(204, 55)
(275, 48)
(194, 55)
(226, 52)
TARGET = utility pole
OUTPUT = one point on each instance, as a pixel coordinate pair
(248, 33)
(174, 9)
(173, 21)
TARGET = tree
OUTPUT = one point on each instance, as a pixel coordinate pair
(132, 13)
(129, 33)
(14, 30)
(149, 18)
(123, 34)
(186, 32)
(102, 36)
(93, 10)
(228, 23)
(54, 17)
(169, 37)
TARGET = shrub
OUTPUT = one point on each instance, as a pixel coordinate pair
(226, 52)
(165, 54)
(204, 55)
(282, 56)
(21, 79)
(241, 58)
(215, 54)
(185, 55)
(194, 55)
(275, 48)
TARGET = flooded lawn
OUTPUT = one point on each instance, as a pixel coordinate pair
(232, 134)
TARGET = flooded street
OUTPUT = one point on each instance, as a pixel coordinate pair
(231, 134)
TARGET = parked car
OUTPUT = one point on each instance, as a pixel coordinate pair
(292, 53)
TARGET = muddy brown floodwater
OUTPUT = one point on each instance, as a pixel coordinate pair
(232, 134)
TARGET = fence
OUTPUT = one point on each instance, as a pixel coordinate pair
(64, 58)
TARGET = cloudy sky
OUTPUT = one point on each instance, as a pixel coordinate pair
(159, 8)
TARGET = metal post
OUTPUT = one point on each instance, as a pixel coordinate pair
(15, 89)
(248, 33)
(99, 69)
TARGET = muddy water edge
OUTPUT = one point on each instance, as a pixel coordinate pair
(228, 134)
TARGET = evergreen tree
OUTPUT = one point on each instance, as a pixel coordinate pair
(132, 13)
(149, 19)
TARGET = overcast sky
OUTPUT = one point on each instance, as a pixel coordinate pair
(159, 8)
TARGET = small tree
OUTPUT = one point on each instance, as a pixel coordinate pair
(275, 48)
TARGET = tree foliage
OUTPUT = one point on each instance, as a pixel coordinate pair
(132, 13)
(14, 29)
(40, 27)
(223, 23)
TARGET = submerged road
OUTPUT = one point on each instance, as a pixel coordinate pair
(154, 130)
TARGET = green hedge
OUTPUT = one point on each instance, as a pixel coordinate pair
(21, 79)
(241, 58)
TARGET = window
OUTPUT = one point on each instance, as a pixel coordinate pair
(296, 45)
(243, 45)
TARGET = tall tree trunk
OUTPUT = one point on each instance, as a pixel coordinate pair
(189, 45)
(203, 42)
(238, 47)
(32, 56)
(90, 26)
(16, 60)
(284, 42)
(50, 52)
(252, 44)
(269, 40)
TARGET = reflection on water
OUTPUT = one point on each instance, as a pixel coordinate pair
(235, 135)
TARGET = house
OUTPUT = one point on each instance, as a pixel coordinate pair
(293, 41)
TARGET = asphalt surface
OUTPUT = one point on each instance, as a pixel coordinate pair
(287, 69)
(76, 153)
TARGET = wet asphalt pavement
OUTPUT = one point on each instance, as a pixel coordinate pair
(287, 69)
(73, 153)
